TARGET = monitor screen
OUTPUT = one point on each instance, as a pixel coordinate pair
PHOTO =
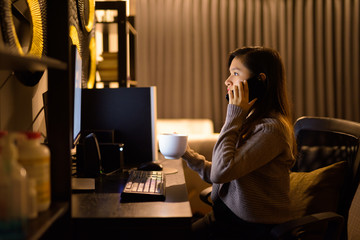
(130, 113)
(77, 74)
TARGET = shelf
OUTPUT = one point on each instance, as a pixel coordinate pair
(120, 20)
(102, 22)
(38, 226)
(13, 61)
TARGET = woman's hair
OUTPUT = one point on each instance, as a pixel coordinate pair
(268, 61)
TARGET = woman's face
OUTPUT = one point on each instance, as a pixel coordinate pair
(238, 73)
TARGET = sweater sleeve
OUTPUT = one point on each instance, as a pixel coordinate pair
(232, 160)
(198, 163)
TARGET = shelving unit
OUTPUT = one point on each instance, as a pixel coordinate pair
(120, 21)
(37, 227)
(59, 210)
(55, 223)
(17, 62)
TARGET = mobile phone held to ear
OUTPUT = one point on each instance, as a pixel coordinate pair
(227, 97)
(256, 88)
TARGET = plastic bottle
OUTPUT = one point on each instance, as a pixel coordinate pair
(13, 192)
(35, 158)
(32, 199)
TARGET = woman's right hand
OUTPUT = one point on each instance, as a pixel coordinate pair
(240, 96)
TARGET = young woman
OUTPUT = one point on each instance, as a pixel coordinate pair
(254, 153)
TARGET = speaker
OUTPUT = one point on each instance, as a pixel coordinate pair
(94, 157)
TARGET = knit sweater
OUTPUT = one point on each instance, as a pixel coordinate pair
(251, 177)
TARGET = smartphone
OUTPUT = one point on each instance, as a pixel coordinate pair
(227, 97)
(256, 88)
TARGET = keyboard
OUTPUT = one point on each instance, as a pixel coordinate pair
(142, 186)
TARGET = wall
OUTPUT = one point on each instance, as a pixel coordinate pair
(19, 104)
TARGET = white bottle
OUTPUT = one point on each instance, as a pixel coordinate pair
(13, 192)
(35, 158)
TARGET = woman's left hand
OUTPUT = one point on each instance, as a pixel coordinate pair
(240, 96)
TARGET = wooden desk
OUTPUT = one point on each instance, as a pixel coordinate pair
(101, 215)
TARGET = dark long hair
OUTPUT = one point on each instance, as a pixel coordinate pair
(268, 61)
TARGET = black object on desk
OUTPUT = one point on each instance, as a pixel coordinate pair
(150, 166)
(95, 156)
(130, 113)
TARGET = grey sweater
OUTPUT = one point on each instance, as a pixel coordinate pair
(251, 177)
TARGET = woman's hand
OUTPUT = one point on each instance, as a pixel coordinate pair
(240, 96)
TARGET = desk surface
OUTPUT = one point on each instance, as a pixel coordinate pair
(107, 204)
(101, 210)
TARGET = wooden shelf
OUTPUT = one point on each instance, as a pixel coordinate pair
(103, 22)
(120, 21)
(17, 62)
(38, 226)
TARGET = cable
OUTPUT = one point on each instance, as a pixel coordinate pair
(7, 79)
(37, 115)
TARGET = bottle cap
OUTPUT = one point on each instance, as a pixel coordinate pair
(3, 133)
(32, 135)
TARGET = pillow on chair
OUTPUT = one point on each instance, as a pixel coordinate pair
(316, 191)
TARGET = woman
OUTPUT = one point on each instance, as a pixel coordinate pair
(254, 153)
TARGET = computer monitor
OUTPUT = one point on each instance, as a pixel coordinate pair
(130, 113)
(76, 74)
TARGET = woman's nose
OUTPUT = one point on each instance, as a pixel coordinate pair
(227, 82)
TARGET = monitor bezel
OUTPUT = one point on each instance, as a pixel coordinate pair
(75, 58)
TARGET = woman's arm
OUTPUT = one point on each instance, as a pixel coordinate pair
(233, 159)
(198, 163)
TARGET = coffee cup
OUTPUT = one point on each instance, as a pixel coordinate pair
(172, 145)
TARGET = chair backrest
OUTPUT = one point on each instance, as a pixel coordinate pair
(353, 228)
(323, 141)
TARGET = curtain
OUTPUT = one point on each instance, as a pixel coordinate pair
(183, 46)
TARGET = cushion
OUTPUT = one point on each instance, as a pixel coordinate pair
(318, 190)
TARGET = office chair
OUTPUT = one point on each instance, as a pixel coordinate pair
(324, 141)
(328, 155)
(353, 229)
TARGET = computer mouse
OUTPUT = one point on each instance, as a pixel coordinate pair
(150, 166)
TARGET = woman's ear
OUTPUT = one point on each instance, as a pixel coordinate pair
(262, 76)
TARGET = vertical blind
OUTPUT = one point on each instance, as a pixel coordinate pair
(183, 46)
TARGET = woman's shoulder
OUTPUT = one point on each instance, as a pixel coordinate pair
(274, 123)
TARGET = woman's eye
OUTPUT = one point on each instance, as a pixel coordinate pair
(236, 74)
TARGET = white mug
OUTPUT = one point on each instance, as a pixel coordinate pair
(172, 145)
